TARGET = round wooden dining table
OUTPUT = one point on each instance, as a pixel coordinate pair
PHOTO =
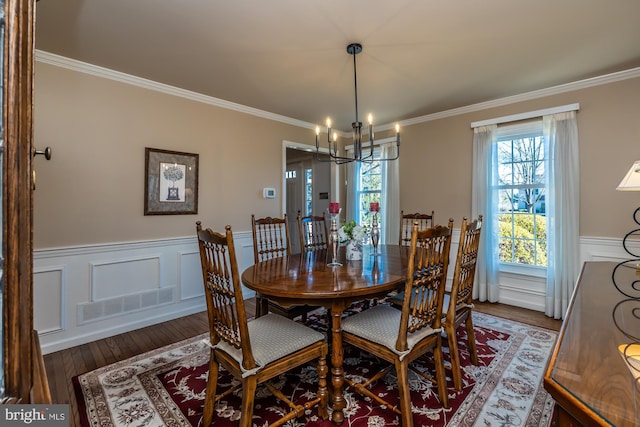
(307, 279)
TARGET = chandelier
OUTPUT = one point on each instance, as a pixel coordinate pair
(359, 154)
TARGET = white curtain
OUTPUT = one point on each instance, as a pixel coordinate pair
(483, 201)
(563, 192)
(390, 203)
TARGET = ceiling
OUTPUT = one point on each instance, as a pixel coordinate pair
(289, 57)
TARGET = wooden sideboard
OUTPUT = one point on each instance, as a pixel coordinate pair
(586, 375)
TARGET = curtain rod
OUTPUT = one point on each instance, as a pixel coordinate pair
(529, 115)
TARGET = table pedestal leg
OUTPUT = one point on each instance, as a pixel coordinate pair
(337, 372)
(262, 305)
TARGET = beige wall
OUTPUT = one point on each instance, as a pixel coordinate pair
(437, 157)
(91, 192)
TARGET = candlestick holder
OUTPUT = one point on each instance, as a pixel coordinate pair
(334, 240)
(375, 235)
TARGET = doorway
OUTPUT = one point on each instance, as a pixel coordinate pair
(307, 188)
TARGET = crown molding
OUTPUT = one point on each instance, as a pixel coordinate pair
(83, 67)
(554, 90)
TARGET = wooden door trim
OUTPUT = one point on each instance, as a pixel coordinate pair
(18, 199)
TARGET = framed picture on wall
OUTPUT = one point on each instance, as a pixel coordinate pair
(170, 183)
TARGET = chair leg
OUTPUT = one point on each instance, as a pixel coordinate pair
(210, 394)
(471, 337)
(452, 339)
(249, 386)
(323, 392)
(441, 377)
(402, 372)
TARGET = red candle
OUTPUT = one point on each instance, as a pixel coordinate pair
(334, 208)
(374, 207)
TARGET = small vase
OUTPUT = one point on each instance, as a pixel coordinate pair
(354, 251)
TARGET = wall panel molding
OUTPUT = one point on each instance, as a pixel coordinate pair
(108, 289)
(50, 284)
(124, 276)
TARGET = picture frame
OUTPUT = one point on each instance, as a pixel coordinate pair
(171, 182)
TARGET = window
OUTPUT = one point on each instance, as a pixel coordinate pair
(308, 192)
(520, 179)
(375, 181)
(368, 188)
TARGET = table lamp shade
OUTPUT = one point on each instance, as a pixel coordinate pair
(631, 181)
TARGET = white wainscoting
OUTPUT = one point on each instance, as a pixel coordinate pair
(529, 292)
(86, 293)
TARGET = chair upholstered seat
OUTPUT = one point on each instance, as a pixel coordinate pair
(272, 328)
(380, 324)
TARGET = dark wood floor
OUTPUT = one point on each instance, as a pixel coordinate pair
(63, 365)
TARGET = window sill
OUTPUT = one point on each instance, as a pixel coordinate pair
(523, 270)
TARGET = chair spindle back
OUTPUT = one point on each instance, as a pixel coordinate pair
(270, 238)
(223, 293)
(313, 232)
(465, 268)
(406, 225)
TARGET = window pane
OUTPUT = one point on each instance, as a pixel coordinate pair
(505, 200)
(370, 176)
(520, 169)
(506, 249)
(308, 191)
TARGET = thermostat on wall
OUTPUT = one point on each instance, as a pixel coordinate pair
(269, 193)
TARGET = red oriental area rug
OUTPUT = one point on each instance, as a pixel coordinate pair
(165, 387)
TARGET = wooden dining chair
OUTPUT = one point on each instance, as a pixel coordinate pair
(313, 232)
(458, 304)
(401, 336)
(406, 227)
(271, 240)
(252, 351)
(406, 224)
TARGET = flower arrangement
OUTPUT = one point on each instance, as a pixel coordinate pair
(350, 230)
